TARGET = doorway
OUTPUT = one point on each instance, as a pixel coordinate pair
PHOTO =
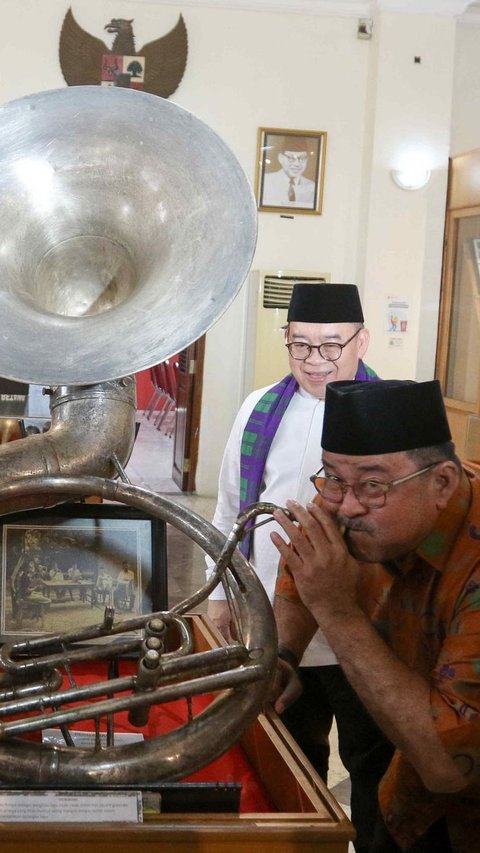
(178, 433)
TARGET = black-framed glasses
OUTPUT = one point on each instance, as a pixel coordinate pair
(296, 158)
(330, 351)
(370, 493)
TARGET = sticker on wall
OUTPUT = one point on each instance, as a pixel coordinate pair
(397, 315)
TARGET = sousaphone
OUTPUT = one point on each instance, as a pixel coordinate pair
(127, 228)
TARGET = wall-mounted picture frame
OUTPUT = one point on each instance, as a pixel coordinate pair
(290, 170)
(62, 566)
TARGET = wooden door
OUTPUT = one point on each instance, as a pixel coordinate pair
(187, 423)
(458, 355)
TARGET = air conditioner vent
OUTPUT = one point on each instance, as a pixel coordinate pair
(277, 290)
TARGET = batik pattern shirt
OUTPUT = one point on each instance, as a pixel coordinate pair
(427, 609)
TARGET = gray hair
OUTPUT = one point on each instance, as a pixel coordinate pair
(435, 453)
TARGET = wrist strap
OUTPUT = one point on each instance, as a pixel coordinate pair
(288, 656)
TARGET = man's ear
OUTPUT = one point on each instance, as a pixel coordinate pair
(446, 477)
(363, 342)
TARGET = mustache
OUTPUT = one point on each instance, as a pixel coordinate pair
(355, 524)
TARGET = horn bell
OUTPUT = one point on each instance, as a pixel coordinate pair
(128, 226)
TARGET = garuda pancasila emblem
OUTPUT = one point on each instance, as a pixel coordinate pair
(157, 68)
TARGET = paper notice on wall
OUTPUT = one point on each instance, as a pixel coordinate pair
(397, 316)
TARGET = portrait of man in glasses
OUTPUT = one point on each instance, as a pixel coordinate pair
(290, 185)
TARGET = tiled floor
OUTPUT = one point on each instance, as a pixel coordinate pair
(150, 467)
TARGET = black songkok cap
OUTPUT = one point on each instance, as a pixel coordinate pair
(296, 143)
(371, 418)
(325, 303)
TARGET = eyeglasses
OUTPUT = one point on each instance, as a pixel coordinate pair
(370, 493)
(329, 351)
(296, 158)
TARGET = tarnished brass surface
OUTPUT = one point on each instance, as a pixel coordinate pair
(241, 672)
(128, 227)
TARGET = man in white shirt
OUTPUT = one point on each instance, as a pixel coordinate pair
(326, 340)
(272, 450)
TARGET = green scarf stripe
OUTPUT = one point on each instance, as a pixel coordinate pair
(243, 488)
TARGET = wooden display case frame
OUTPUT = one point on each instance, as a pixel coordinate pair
(308, 819)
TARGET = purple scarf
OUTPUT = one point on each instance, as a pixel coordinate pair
(259, 433)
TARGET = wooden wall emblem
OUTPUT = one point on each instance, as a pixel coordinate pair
(157, 68)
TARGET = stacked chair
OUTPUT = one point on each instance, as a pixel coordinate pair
(163, 401)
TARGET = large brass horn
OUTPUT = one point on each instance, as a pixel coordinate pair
(238, 673)
(128, 227)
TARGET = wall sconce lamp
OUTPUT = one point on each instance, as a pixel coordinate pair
(411, 178)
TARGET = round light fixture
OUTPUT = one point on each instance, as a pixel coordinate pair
(411, 178)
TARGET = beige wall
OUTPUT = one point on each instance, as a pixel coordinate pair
(379, 103)
(466, 91)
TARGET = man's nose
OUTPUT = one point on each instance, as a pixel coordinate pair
(351, 506)
(315, 356)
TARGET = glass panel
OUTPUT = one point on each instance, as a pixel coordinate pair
(463, 370)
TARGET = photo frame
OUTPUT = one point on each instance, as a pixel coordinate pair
(61, 567)
(290, 170)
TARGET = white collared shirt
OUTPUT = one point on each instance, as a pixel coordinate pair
(294, 455)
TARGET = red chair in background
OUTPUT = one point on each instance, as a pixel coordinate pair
(169, 384)
(163, 400)
(160, 400)
(157, 392)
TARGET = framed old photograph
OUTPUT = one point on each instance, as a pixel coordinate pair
(61, 567)
(290, 170)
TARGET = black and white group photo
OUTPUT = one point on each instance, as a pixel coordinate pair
(61, 574)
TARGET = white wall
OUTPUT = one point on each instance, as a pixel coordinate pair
(254, 69)
(466, 91)
(321, 87)
(379, 102)
(403, 242)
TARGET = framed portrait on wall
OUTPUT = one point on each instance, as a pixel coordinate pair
(61, 567)
(290, 170)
